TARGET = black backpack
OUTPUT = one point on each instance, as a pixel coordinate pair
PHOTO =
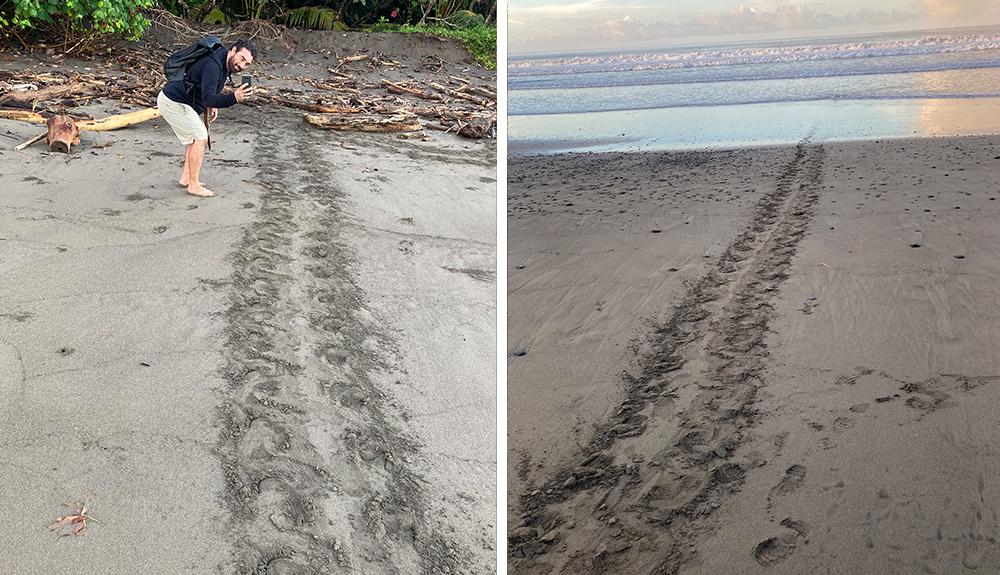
(177, 64)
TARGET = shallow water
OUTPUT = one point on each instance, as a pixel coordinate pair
(851, 88)
(752, 125)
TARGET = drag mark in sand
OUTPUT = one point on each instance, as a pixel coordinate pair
(318, 469)
(653, 475)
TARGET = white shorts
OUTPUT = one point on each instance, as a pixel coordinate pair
(187, 124)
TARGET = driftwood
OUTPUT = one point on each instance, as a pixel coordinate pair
(38, 116)
(457, 94)
(63, 133)
(480, 91)
(477, 128)
(103, 125)
(119, 121)
(466, 86)
(318, 108)
(23, 115)
(401, 122)
(355, 58)
(459, 106)
(30, 99)
(394, 88)
(20, 147)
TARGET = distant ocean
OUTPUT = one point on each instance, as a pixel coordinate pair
(698, 96)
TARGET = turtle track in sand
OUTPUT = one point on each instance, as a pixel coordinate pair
(319, 473)
(652, 475)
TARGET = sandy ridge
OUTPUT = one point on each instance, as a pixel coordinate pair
(697, 389)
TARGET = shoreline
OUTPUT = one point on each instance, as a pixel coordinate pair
(728, 345)
(753, 125)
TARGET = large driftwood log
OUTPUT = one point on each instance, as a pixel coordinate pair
(119, 120)
(103, 125)
(63, 134)
(401, 122)
(318, 108)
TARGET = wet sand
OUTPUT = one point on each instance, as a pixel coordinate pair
(297, 375)
(799, 380)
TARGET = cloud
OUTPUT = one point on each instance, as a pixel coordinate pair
(784, 18)
(595, 23)
(584, 8)
(960, 9)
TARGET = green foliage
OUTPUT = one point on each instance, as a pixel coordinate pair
(466, 19)
(253, 9)
(119, 17)
(339, 14)
(481, 41)
(445, 10)
(312, 18)
(215, 16)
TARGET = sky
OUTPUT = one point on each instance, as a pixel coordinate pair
(574, 25)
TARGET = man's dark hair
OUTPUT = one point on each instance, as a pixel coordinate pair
(248, 44)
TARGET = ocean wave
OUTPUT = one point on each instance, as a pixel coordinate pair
(709, 57)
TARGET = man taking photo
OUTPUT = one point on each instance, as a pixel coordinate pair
(183, 102)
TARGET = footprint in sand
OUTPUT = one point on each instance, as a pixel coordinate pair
(770, 552)
(794, 476)
(798, 526)
(842, 423)
(774, 550)
(728, 473)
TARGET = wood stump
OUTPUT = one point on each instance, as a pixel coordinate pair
(63, 133)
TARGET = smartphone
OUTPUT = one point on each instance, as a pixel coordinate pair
(246, 80)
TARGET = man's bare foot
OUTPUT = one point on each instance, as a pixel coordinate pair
(200, 191)
(185, 184)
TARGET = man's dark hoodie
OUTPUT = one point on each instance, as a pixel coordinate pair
(202, 84)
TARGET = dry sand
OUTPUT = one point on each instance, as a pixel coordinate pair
(296, 376)
(808, 344)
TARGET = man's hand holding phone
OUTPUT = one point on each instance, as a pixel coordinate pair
(242, 92)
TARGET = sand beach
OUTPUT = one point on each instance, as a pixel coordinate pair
(295, 376)
(757, 360)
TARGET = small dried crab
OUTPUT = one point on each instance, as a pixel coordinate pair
(79, 518)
